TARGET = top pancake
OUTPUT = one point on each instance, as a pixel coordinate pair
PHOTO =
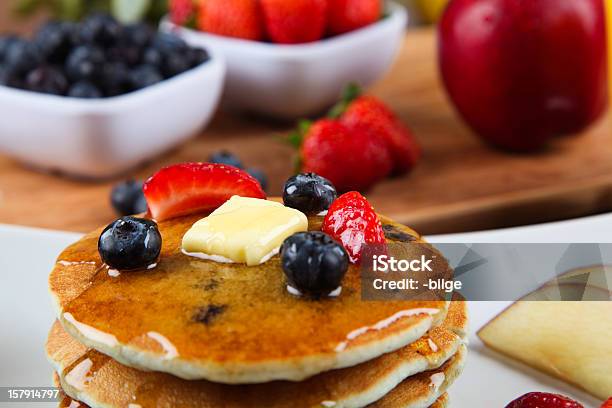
(229, 323)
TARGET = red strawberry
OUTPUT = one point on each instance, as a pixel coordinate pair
(232, 18)
(193, 187)
(352, 221)
(350, 159)
(607, 404)
(295, 21)
(181, 11)
(543, 400)
(349, 15)
(373, 116)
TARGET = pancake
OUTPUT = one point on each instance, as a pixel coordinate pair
(422, 390)
(349, 387)
(442, 402)
(230, 323)
(67, 402)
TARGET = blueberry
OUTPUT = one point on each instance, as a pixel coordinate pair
(130, 243)
(47, 79)
(22, 56)
(225, 157)
(144, 76)
(115, 79)
(128, 198)
(130, 55)
(85, 63)
(175, 63)
(259, 176)
(5, 76)
(309, 193)
(167, 43)
(313, 263)
(85, 90)
(197, 56)
(139, 35)
(5, 42)
(152, 56)
(9, 78)
(54, 41)
(100, 29)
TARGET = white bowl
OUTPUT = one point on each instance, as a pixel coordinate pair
(289, 81)
(104, 137)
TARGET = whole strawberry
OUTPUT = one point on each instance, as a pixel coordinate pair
(349, 15)
(371, 115)
(295, 21)
(350, 159)
(351, 220)
(607, 404)
(181, 11)
(232, 18)
(543, 400)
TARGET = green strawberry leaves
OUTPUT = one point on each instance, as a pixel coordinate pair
(351, 92)
(296, 138)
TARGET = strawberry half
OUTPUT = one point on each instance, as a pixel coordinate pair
(607, 404)
(543, 400)
(352, 221)
(188, 188)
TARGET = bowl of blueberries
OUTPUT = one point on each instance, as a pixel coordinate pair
(95, 98)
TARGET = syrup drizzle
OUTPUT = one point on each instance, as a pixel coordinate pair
(169, 348)
(83, 370)
(433, 346)
(436, 380)
(91, 332)
(383, 324)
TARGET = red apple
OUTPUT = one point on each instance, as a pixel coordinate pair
(523, 71)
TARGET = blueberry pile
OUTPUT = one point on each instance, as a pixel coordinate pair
(96, 58)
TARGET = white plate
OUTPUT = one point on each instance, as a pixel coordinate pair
(26, 257)
(489, 380)
(290, 81)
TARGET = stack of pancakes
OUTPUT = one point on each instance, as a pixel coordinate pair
(196, 333)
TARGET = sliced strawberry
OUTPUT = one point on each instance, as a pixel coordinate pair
(543, 400)
(352, 221)
(196, 187)
(607, 404)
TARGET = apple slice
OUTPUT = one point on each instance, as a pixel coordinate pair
(569, 340)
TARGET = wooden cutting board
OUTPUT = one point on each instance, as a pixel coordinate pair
(461, 184)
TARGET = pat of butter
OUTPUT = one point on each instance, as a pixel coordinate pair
(245, 230)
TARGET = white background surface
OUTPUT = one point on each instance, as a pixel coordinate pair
(489, 381)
